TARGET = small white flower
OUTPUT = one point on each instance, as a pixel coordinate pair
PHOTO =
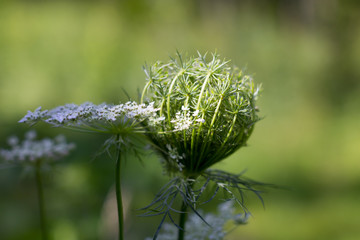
(30, 135)
(103, 117)
(195, 113)
(200, 120)
(32, 117)
(13, 140)
(183, 108)
(175, 156)
(32, 150)
(184, 120)
(154, 121)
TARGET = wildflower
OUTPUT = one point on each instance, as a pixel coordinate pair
(32, 117)
(210, 112)
(123, 122)
(154, 121)
(209, 108)
(35, 155)
(104, 118)
(184, 120)
(30, 151)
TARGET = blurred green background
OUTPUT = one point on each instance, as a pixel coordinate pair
(305, 53)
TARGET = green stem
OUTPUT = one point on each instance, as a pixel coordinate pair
(169, 95)
(220, 151)
(118, 192)
(193, 144)
(182, 221)
(202, 90)
(184, 132)
(209, 135)
(144, 91)
(183, 210)
(41, 202)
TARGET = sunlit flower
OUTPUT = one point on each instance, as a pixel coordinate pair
(105, 118)
(185, 120)
(209, 108)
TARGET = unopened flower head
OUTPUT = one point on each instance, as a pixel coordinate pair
(208, 106)
(31, 150)
(105, 118)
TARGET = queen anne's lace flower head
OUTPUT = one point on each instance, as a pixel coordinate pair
(209, 108)
(185, 120)
(31, 150)
(105, 118)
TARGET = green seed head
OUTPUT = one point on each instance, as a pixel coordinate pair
(207, 107)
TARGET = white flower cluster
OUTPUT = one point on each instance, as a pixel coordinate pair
(174, 155)
(155, 121)
(196, 228)
(129, 110)
(184, 119)
(31, 150)
(88, 113)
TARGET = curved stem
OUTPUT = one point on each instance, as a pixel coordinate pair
(118, 192)
(203, 90)
(41, 202)
(169, 94)
(144, 91)
(182, 221)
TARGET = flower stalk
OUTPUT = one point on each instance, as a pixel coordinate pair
(41, 202)
(118, 190)
(182, 221)
(35, 155)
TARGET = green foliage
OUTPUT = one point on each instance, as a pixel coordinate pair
(196, 192)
